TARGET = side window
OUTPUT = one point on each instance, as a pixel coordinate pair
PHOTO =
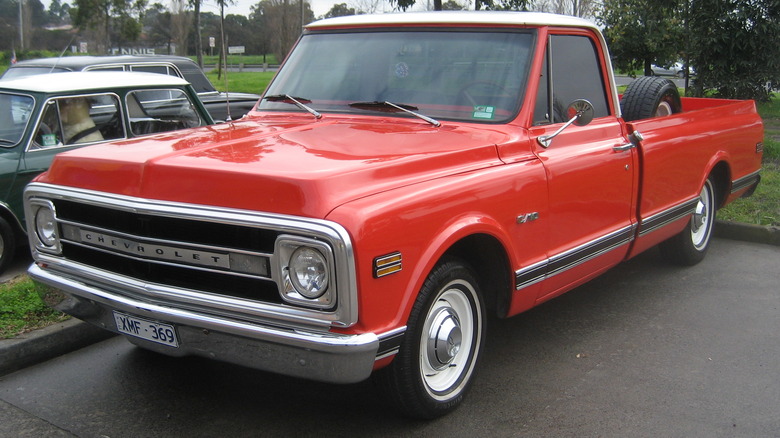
(79, 120)
(108, 68)
(576, 74)
(153, 111)
(161, 69)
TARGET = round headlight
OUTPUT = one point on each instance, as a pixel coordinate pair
(46, 226)
(309, 272)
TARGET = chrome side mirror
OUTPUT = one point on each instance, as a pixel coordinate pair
(580, 113)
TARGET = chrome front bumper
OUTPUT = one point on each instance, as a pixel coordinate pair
(322, 356)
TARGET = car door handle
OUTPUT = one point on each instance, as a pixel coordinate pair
(623, 147)
(633, 141)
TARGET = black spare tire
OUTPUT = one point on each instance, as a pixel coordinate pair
(650, 96)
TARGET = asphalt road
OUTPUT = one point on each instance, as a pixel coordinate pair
(646, 350)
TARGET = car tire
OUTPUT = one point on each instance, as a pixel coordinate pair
(7, 244)
(690, 246)
(435, 365)
(650, 96)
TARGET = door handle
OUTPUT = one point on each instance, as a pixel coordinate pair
(623, 147)
(633, 141)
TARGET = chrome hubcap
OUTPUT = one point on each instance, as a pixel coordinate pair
(444, 339)
(699, 216)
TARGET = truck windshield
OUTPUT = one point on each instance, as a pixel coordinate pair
(476, 76)
(15, 112)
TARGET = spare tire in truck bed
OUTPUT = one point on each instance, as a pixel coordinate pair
(650, 96)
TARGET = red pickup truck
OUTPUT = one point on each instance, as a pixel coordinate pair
(404, 177)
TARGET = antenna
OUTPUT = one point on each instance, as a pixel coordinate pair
(63, 52)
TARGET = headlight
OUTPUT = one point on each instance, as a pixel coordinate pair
(309, 272)
(304, 271)
(45, 233)
(46, 227)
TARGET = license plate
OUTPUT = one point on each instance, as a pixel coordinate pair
(142, 328)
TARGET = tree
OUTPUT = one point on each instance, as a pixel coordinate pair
(736, 46)
(642, 32)
(340, 10)
(198, 35)
(280, 23)
(115, 21)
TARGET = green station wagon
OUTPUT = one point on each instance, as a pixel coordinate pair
(43, 115)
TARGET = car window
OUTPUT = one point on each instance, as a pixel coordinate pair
(79, 120)
(154, 111)
(160, 69)
(15, 112)
(576, 74)
(106, 68)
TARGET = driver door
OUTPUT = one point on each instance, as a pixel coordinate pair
(591, 186)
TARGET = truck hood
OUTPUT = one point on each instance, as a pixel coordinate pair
(290, 165)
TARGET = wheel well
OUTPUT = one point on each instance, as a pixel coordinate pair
(13, 222)
(487, 257)
(721, 178)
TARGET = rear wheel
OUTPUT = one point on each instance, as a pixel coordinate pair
(690, 246)
(445, 334)
(650, 96)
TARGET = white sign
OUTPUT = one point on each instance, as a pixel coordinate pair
(212, 42)
(82, 47)
(233, 50)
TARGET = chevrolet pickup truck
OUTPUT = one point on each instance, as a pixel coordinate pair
(404, 178)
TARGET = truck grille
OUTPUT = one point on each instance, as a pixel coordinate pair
(131, 231)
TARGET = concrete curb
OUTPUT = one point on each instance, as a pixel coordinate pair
(47, 343)
(748, 233)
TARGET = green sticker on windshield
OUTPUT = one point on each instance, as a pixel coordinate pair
(483, 112)
(49, 139)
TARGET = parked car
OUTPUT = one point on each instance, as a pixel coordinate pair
(44, 115)
(676, 69)
(218, 104)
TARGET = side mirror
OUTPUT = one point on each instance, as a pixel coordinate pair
(580, 113)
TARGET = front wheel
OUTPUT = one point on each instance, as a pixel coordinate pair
(7, 244)
(445, 335)
(690, 246)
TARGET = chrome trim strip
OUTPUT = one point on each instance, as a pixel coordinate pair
(590, 250)
(658, 220)
(390, 342)
(745, 182)
(531, 274)
(345, 313)
(566, 260)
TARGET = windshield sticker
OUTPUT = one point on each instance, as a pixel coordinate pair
(49, 139)
(401, 70)
(483, 112)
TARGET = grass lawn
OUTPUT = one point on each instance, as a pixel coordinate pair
(21, 308)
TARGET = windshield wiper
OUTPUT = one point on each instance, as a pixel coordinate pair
(385, 105)
(298, 101)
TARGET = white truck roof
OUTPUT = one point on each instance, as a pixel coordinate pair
(456, 17)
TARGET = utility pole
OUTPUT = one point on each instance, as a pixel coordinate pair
(21, 26)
